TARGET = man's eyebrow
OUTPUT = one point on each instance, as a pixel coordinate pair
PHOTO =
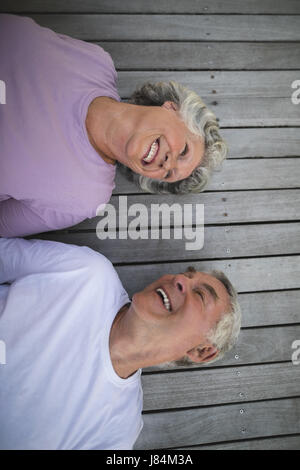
(211, 290)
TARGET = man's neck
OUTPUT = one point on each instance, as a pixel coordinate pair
(133, 344)
(120, 345)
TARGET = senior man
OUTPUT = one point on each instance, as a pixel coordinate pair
(75, 343)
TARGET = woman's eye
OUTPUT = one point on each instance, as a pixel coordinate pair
(185, 151)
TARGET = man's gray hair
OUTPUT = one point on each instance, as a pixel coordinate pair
(198, 119)
(225, 333)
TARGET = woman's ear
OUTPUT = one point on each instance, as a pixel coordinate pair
(170, 105)
(203, 353)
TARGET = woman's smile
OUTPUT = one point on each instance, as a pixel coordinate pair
(151, 153)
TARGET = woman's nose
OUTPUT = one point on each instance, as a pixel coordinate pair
(169, 162)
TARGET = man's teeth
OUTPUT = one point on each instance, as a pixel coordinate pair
(165, 298)
(152, 152)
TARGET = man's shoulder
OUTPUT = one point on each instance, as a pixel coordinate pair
(87, 256)
(67, 256)
(96, 265)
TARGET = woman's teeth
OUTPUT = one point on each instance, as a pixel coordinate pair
(152, 152)
(165, 298)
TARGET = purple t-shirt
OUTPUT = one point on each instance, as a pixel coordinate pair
(50, 175)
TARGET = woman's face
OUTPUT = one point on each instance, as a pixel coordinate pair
(156, 143)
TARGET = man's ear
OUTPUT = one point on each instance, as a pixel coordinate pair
(170, 105)
(203, 353)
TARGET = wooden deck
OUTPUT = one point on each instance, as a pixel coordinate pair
(242, 58)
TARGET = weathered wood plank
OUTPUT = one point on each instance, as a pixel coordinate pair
(174, 27)
(270, 308)
(258, 174)
(205, 387)
(219, 208)
(219, 423)
(277, 142)
(254, 345)
(203, 55)
(244, 174)
(275, 443)
(156, 6)
(247, 275)
(263, 84)
(255, 112)
(219, 242)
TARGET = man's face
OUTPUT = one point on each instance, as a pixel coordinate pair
(183, 308)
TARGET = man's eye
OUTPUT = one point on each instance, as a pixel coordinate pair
(200, 293)
(167, 175)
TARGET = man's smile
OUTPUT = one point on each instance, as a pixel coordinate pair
(165, 298)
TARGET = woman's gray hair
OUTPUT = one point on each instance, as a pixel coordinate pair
(225, 333)
(198, 119)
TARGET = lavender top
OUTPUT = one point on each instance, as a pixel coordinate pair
(50, 175)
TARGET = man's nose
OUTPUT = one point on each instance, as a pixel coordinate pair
(181, 283)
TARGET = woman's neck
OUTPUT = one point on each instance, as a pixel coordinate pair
(97, 125)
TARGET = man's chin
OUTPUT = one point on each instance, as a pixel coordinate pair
(147, 306)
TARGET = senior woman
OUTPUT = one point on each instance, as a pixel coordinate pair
(64, 130)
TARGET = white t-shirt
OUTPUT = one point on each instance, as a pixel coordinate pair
(58, 388)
